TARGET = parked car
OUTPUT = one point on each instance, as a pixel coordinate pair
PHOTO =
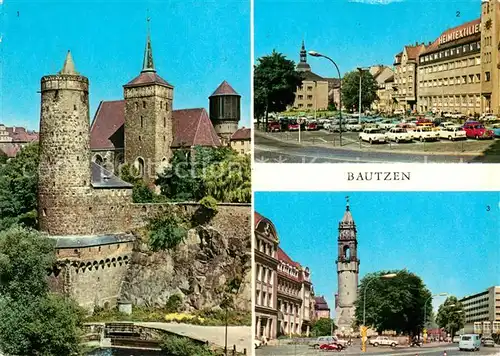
(425, 133)
(488, 342)
(312, 126)
(354, 127)
(453, 133)
(383, 341)
(273, 126)
(446, 124)
(456, 339)
(398, 134)
(496, 129)
(387, 124)
(457, 115)
(332, 347)
(469, 342)
(293, 126)
(474, 129)
(372, 135)
(322, 340)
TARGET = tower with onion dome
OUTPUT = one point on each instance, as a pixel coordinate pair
(225, 111)
(347, 272)
(303, 66)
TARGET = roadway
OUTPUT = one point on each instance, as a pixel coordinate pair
(270, 149)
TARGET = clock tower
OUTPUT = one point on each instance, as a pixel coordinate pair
(347, 272)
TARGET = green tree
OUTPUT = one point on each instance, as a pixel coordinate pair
(18, 189)
(230, 180)
(166, 231)
(350, 90)
(141, 193)
(46, 326)
(32, 320)
(323, 327)
(393, 304)
(451, 315)
(275, 84)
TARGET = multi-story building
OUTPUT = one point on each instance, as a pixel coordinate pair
(240, 141)
(405, 77)
(381, 74)
(449, 72)
(283, 289)
(321, 308)
(314, 92)
(482, 312)
(13, 139)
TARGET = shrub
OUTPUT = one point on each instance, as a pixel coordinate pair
(166, 232)
(182, 346)
(209, 203)
(174, 303)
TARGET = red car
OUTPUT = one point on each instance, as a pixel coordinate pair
(312, 126)
(273, 126)
(293, 127)
(474, 129)
(331, 347)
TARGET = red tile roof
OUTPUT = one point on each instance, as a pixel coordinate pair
(241, 134)
(414, 51)
(282, 256)
(193, 127)
(19, 134)
(258, 218)
(435, 45)
(10, 149)
(109, 117)
(147, 78)
(224, 89)
(320, 303)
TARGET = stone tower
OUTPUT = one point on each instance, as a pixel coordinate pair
(303, 66)
(347, 272)
(225, 111)
(148, 119)
(64, 183)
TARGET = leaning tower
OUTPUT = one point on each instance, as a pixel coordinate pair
(64, 184)
(225, 111)
(347, 273)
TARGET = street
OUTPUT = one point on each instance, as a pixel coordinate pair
(304, 350)
(323, 147)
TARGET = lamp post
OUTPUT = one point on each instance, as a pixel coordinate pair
(425, 307)
(360, 69)
(316, 54)
(389, 275)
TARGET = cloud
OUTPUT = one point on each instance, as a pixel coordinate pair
(372, 2)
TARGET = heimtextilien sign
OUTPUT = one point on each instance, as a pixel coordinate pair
(455, 35)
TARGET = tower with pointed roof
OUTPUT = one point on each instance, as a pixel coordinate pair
(347, 272)
(225, 111)
(148, 119)
(303, 66)
(64, 183)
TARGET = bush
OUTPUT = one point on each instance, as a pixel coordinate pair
(166, 232)
(174, 303)
(209, 203)
(182, 346)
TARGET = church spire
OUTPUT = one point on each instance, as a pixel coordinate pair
(69, 65)
(147, 64)
(303, 53)
(347, 208)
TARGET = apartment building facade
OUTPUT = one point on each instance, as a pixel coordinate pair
(482, 312)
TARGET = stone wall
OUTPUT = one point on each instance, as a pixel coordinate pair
(111, 210)
(213, 255)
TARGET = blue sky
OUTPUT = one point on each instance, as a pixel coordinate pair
(196, 45)
(449, 239)
(352, 33)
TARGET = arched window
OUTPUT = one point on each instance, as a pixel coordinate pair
(347, 253)
(136, 106)
(140, 166)
(98, 159)
(144, 104)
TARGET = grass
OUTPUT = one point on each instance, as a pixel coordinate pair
(202, 317)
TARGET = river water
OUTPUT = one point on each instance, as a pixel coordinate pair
(124, 352)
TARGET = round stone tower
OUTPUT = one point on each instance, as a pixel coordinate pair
(64, 185)
(225, 111)
(347, 272)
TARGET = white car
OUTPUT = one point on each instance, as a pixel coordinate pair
(383, 341)
(398, 134)
(453, 133)
(372, 135)
(354, 127)
(387, 124)
(425, 133)
(398, 112)
(446, 124)
(456, 115)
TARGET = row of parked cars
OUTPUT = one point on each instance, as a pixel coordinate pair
(425, 133)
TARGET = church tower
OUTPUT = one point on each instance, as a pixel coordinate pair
(64, 183)
(225, 111)
(148, 119)
(347, 272)
(303, 66)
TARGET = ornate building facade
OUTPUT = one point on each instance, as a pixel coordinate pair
(283, 288)
(347, 273)
(321, 308)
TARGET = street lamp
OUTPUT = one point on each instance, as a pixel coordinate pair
(360, 69)
(425, 306)
(316, 54)
(387, 276)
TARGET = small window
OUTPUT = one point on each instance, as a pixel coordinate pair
(142, 122)
(144, 105)
(136, 106)
(164, 122)
(74, 107)
(140, 138)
